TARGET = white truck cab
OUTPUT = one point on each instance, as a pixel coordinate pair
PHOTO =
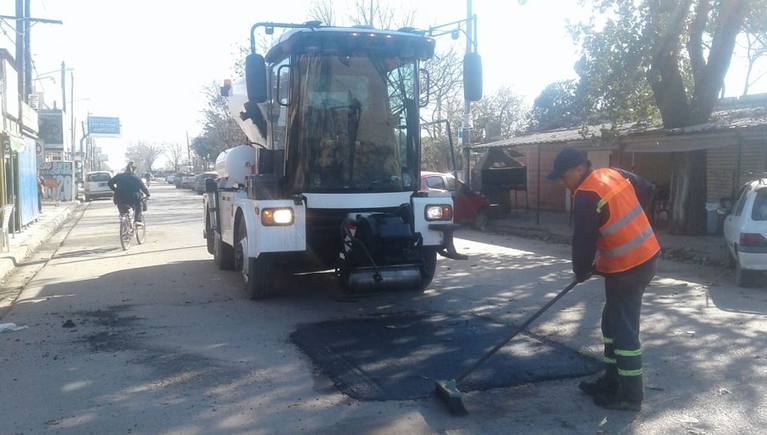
(331, 177)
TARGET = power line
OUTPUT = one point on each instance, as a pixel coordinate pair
(13, 41)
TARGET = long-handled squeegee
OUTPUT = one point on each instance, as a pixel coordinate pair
(448, 390)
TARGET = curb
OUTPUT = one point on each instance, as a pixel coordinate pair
(17, 255)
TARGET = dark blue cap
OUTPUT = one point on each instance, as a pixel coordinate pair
(567, 159)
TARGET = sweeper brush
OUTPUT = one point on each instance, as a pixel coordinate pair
(449, 392)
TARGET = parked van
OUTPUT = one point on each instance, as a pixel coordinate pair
(96, 185)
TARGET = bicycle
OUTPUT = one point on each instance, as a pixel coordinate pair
(129, 228)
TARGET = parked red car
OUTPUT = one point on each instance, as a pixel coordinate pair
(469, 207)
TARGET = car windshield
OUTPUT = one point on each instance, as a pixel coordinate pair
(759, 212)
(102, 177)
(354, 127)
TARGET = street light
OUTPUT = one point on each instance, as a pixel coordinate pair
(472, 74)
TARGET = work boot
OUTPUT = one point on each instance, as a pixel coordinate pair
(628, 396)
(607, 383)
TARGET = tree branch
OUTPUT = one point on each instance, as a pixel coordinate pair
(695, 43)
(730, 23)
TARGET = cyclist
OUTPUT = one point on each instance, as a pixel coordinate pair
(128, 189)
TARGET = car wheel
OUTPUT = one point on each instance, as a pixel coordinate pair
(87, 198)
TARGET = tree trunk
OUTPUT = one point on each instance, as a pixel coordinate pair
(688, 193)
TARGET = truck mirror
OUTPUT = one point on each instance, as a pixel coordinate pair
(255, 77)
(472, 76)
(210, 185)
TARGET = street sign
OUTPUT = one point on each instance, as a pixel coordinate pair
(103, 126)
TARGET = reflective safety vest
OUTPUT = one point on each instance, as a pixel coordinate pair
(626, 239)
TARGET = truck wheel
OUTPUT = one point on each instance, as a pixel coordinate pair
(209, 237)
(480, 220)
(223, 254)
(257, 273)
(429, 257)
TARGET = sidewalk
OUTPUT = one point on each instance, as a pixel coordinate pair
(554, 227)
(23, 244)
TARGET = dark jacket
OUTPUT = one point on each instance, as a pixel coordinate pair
(586, 221)
(127, 187)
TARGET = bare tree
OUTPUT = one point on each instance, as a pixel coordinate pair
(322, 10)
(175, 153)
(755, 32)
(756, 49)
(390, 15)
(144, 154)
(445, 84)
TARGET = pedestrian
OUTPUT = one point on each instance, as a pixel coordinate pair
(40, 193)
(612, 237)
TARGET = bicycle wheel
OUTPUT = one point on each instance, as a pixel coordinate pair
(125, 232)
(140, 231)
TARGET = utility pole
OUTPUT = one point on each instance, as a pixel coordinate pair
(72, 109)
(63, 86)
(20, 41)
(188, 150)
(465, 139)
(27, 53)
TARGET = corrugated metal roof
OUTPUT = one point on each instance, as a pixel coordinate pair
(751, 112)
(598, 134)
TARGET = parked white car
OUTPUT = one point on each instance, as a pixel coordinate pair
(96, 185)
(745, 232)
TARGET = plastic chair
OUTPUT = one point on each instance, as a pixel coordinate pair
(7, 212)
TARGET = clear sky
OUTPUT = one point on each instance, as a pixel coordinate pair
(147, 61)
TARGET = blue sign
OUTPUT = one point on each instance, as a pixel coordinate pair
(103, 125)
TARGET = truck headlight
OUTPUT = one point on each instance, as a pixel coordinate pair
(277, 216)
(439, 212)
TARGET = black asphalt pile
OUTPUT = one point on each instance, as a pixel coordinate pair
(399, 357)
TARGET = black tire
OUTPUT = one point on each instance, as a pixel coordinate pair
(480, 220)
(125, 237)
(223, 254)
(429, 267)
(141, 232)
(209, 237)
(257, 273)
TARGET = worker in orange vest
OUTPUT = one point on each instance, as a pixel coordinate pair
(612, 237)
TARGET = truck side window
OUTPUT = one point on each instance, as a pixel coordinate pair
(278, 118)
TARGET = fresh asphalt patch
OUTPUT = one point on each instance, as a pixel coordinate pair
(398, 357)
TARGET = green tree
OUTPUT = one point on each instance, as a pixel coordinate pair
(559, 105)
(670, 54)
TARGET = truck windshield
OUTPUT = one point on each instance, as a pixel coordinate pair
(353, 124)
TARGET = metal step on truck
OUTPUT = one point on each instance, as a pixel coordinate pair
(330, 179)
